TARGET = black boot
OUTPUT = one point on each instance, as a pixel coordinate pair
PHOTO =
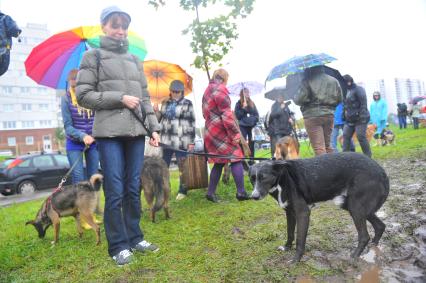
(212, 198)
(243, 196)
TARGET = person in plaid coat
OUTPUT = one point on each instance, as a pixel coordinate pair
(222, 135)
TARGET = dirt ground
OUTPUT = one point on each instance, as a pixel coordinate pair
(401, 254)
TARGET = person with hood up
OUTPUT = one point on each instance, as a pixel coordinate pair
(379, 114)
(177, 119)
(112, 83)
(222, 135)
(356, 116)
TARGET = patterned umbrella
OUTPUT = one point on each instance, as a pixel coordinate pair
(253, 87)
(160, 74)
(50, 62)
(299, 63)
(416, 99)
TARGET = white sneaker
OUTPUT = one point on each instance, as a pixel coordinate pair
(123, 257)
(146, 246)
(180, 196)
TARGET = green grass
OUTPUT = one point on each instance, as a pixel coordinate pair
(203, 242)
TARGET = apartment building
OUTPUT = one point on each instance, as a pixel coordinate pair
(28, 111)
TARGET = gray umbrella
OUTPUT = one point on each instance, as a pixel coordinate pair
(274, 93)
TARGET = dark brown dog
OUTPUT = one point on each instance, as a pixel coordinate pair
(286, 148)
(80, 200)
(155, 183)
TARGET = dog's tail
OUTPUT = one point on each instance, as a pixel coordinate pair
(159, 193)
(96, 181)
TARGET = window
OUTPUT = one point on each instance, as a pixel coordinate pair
(62, 160)
(26, 107)
(9, 125)
(45, 123)
(43, 161)
(11, 141)
(7, 89)
(29, 140)
(25, 163)
(27, 124)
(43, 106)
(8, 107)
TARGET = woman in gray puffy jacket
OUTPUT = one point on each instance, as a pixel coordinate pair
(111, 82)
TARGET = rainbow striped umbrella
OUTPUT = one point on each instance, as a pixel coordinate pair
(50, 62)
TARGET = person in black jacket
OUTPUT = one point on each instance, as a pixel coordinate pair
(402, 115)
(280, 122)
(356, 116)
(247, 116)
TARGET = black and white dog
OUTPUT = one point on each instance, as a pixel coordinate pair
(357, 183)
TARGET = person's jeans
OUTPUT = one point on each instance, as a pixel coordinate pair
(180, 158)
(360, 129)
(319, 131)
(402, 121)
(121, 161)
(79, 173)
(335, 134)
(415, 122)
(247, 134)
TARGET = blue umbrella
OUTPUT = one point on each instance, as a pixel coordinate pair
(298, 64)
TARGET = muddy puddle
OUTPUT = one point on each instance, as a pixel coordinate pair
(401, 254)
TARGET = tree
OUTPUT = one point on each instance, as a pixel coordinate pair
(60, 136)
(211, 39)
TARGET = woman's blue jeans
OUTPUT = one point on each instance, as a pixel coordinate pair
(121, 161)
(79, 173)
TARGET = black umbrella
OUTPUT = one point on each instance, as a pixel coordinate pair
(276, 92)
(336, 74)
(293, 81)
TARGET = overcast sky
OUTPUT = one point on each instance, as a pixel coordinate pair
(371, 39)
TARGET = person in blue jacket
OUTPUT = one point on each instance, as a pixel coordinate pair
(378, 114)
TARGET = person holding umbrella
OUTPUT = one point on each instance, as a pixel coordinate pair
(318, 96)
(280, 121)
(222, 135)
(415, 114)
(112, 82)
(78, 124)
(177, 119)
(247, 116)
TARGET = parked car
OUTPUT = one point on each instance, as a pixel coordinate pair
(28, 173)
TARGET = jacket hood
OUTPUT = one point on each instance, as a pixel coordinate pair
(113, 44)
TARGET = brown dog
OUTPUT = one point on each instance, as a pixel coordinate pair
(369, 133)
(286, 148)
(155, 183)
(80, 200)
